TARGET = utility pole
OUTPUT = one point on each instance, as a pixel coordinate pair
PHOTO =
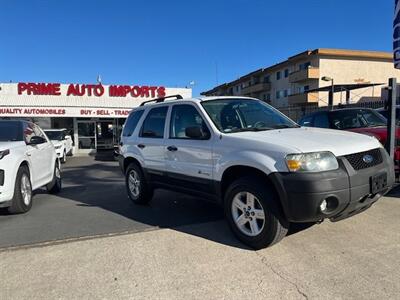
(391, 124)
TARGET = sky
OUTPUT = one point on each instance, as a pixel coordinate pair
(172, 43)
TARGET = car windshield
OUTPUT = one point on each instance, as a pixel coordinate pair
(54, 135)
(236, 115)
(10, 132)
(356, 118)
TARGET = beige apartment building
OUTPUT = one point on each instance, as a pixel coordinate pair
(292, 82)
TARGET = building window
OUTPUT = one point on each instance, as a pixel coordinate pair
(266, 79)
(306, 88)
(305, 66)
(237, 88)
(286, 73)
(268, 97)
(277, 96)
(230, 91)
(285, 93)
(278, 75)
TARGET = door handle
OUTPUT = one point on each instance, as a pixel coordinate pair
(172, 148)
(141, 146)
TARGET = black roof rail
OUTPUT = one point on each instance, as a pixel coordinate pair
(161, 99)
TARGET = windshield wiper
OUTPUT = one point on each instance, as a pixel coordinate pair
(249, 129)
(282, 126)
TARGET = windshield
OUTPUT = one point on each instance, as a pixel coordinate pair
(236, 115)
(356, 118)
(55, 135)
(10, 132)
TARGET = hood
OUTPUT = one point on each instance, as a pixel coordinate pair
(11, 145)
(379, 132)
(307, 139)
(56, 142)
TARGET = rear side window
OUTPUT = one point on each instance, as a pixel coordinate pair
(321, 120)
(131, 123)
(153, 125)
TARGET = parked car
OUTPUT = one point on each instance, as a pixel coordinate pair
(384, 112)
(28, 161)
(62, 142)
(263, 168)
(361, 120)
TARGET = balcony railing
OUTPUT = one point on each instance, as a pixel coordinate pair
(256, 88)
(303, 75)
(303, 98)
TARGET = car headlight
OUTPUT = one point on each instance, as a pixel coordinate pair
(312, 162)
(58, 146)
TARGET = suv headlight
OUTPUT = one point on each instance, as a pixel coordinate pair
(312, 162)
(58, 146)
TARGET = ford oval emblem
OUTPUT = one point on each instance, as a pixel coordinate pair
(368, 159)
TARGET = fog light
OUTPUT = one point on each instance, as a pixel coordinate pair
(323, 205)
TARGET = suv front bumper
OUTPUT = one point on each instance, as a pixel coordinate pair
(349, 191)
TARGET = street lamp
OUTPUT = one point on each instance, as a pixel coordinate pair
(332, 92)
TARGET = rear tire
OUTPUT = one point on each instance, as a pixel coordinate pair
(252, 211)
(136, 185)
(22, 200)
(55, 186)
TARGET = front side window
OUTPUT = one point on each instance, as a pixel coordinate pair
(356, 118)
(185, 116)
(131, 122)
(29, 132)
(153, 125)
(236, 115)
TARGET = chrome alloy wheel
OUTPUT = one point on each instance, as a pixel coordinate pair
(134, 183)
(26, 189)
(248, 213)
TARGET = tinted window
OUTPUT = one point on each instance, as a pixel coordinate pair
(153, 125)
(10, 131)
(132, 122)
(321, 120)
(182, 117)
(356, 118)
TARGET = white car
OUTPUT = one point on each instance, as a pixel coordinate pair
(263, 168)
(62, 142)
(28, 161)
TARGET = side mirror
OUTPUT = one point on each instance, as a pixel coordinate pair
(37, 140)
(196, 132)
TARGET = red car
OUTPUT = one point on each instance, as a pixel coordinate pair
(360, 120)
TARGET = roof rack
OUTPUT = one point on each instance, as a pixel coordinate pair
(158, 100)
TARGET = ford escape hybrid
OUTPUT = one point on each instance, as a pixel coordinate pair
(264, 169)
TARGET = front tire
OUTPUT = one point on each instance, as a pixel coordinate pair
(55, 186)
(253, 213)
(137, 188)
(22, 200)
(64, 157)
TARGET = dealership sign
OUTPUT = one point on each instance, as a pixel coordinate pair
(63, 111)
(91, 90)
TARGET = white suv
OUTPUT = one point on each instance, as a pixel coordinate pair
(28, 161)
(264, 169)
(62, 142)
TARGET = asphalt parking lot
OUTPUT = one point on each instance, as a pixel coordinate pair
(94, 202)
(91, 242)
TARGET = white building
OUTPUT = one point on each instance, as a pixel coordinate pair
(92, 113)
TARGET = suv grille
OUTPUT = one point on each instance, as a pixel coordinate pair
(359, 162)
